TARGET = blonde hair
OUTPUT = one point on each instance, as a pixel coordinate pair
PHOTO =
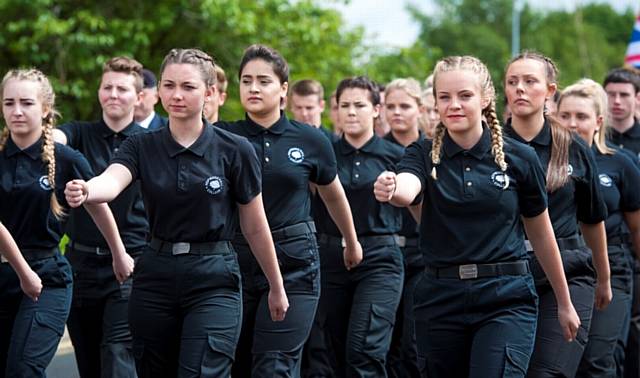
(126, 65)
(47, 96)
(557, 170)
(487, 90)
(409, 85)
(203, 62)
(590, 90)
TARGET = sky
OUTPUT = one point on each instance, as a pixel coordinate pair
(388, 24)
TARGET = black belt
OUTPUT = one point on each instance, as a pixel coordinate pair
(100, 251)
(624, 239)
(34, 254)
(293, 230)
(405, 242)
(471, 271)
(365, 241)
(572, 242)
(183, 248)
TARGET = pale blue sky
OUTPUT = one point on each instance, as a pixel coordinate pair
(388, 24)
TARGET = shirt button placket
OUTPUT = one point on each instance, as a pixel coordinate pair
(467, 179)
(267, 151)
(182, 175)
(356, 167)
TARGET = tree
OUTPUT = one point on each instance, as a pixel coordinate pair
(71, 39)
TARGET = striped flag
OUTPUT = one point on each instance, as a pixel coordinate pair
(632, 58)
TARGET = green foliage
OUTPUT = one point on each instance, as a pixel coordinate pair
(71, 39)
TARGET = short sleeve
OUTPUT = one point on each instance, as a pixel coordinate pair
(72, 131)
(73, 166)
(129, 154)
(414, 162)
(589, 199)
(326, 167)
(629, 184)
(532, 192)
(246, 174)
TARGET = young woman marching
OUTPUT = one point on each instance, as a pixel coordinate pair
(185, 305)
(404, 109)
(292, 155)
(34, 170)
(575, 202)
(475, 305)
(582, 107)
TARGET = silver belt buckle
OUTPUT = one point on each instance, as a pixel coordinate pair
(527, 245)
(181, 248)
(401, 241)
(3, 259)
(102, 252)
(467, 272)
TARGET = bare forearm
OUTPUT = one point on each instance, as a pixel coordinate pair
(106, 223)
(596, 238)
(336, 202)
(541, 236)
(11, 252)
(406, 189)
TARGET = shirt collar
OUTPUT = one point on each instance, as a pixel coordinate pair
(543, 138)
(277, 128)
(371, 146)
(478, 151)
(34, 151)
(389, 136)
(632, 133)
(147, 121)
(199, 147)
(106, 132)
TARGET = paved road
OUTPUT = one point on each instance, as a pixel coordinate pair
(64, 363)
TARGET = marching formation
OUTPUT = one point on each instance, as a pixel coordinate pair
(423, 236)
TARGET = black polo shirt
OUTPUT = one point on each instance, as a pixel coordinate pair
(25, 192)
(467, 215)
(99, 144)
(581, 198)
(619, 179)
(191, 194)
(410, 228)
(629, 140)
(291, 154)
(358, 170)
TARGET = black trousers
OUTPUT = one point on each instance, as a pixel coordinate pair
(274, 349)
(185, 313)
(553, 356)
(402, 360)
(99, 320)
(357, 311)
(610, 327)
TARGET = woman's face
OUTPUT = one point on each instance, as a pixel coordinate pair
(183, 91)
(117, 95)
(526, 87)
(578, 114)
(402, 111)
(459, 101)
(261, 91)
(22, 108)
(431, 115)
(356, 112)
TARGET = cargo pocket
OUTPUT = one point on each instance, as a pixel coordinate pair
(44, 336)
(381, 320)
(217, 357)
(515, 363)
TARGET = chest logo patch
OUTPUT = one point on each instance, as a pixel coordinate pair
(296, 155)
(214, 185)
(569, 170)
(605, 180)
(500, 179)
(44, 183)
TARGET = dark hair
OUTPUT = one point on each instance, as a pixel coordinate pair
(269, 55)
(623, 75)
(361, 82)
(203, 62)
(307, 87)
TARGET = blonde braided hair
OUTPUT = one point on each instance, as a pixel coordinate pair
(487, 91)
(47, 97)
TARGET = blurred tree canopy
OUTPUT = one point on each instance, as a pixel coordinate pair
(70, 39)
